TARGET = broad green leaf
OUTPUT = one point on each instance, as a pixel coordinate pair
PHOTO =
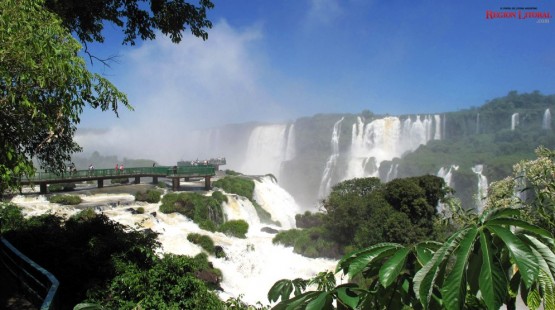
(424, 279)
(297, 302)
(520, 252)
(499, 212)
(354, 263)
(548, 288)
(492, 281)
(281, 289)
(534, 300)
(454, 288)
(349, 294)
(522, 224)
(544, 252)
(393, 266)
(425, 251)
(323, 301)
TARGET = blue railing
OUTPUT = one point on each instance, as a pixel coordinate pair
(39, 285)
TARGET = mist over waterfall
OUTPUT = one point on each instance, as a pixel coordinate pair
(325, 183)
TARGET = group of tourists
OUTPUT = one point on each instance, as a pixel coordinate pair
(119, 168)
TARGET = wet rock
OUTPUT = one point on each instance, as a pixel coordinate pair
(153, 214)
(269, 230)
(132, 211)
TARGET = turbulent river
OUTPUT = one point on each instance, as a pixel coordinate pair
(252, 265)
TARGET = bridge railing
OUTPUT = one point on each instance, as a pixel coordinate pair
(39, 285)
(126, 172)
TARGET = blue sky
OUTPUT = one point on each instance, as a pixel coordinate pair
(275, 61)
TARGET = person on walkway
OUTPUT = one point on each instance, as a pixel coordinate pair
(117, 168)
(121, 168)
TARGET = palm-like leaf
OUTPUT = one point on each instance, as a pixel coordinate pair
(492, 280)
(354, 263)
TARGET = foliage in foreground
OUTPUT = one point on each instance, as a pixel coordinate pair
(45, 87)
(203, 241)
(508, 250)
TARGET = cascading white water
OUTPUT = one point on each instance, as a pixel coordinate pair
(514, 120)
(290, 149)
(447, 175)
(437, 131)
(546, 122)
(265, 150)
(325, 183)
(274, 199)
(384, 139)
(392, 173)
(482, 186)
(252, 265)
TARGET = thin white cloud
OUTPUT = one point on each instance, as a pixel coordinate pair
(323, 12)
(176, 88)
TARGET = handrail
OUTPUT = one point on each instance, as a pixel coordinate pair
(160, 171)
(40, 284)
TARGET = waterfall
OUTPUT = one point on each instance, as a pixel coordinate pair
(290, 149)
(274, 199)
(252, 265)
(546, 122)
(514, 120)
(266, 150)
(437, 131)
(482, 187)
(325, 183)
(392, 173)
(447, 175)
(384, 139)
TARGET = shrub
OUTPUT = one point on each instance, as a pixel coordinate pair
(235, 228)
(61, 187)
(140, 210)
(11, 217)
(219, 196)
(231, 172)
(84, 215)
(201, 209)
(204, 241)
(65, 199)
(161, 184)
(150, 196)
(119, 181)
(236, 185)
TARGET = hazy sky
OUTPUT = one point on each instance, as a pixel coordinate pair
(279, 60)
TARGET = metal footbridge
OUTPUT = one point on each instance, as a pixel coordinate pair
(175, 173)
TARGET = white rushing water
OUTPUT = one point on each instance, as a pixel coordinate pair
(514, 120)
(252, 265)
(482, 190)
(325, 183)
(266, 150)
(546, 121)
(387, 138)
(447, 175)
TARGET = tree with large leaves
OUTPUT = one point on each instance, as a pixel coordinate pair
(44, 86)
(484, 264)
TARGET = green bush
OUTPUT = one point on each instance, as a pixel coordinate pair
(308, 242)
(65, 199)
(235, 228)
(219, 196)
(231, 172)
(204, 241)
(61, 187)
(140, 210)
(11, 217)
(161, 184)
(201, 209)
(150, 196)
(119, 181)
(84, 215)
(236, 185)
